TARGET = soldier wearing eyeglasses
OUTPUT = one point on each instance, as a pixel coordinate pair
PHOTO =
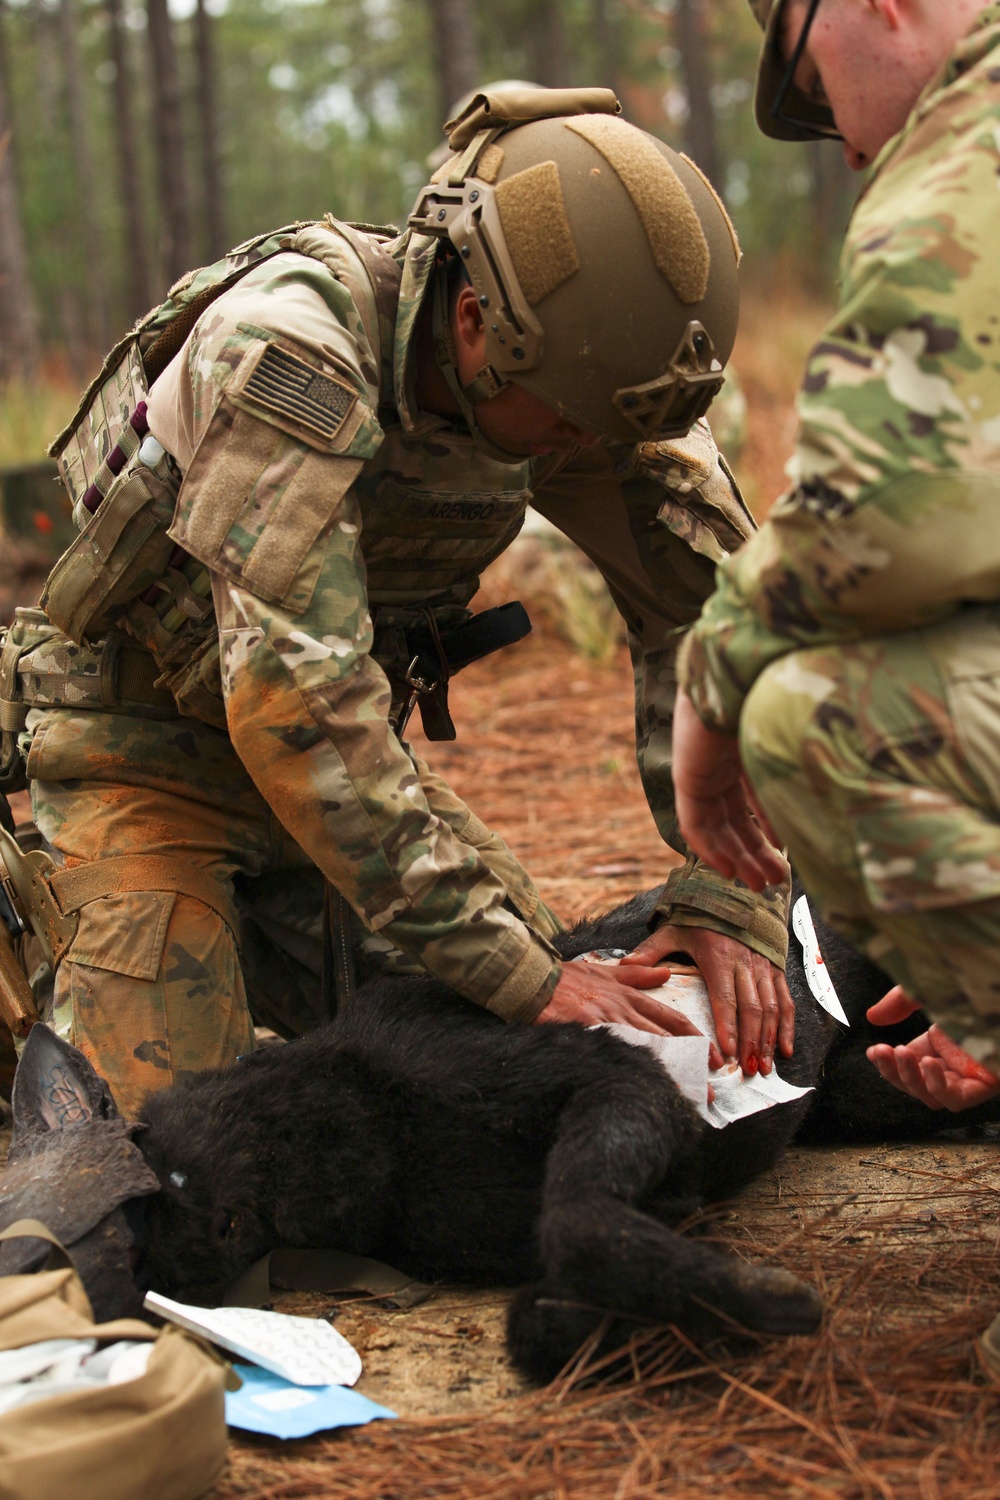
(843, 681)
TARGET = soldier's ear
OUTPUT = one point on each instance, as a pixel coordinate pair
(889, 13)
(55, 1087)
(467, 323)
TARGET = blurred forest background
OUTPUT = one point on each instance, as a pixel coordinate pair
(141, 137)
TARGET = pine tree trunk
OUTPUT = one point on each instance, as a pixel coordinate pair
(214, 239)
(834, 189)
(175, 231)
(547, 49)
(138, 285)
(701, 139)
(91, 249)
(19, 337)
(607, 38)
(455, 53)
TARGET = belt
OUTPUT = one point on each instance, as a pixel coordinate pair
(114, 675)
(485, 633)
(434, 656)
(117, 675)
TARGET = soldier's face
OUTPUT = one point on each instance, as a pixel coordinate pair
(518, 423)
(869, 60)
(514, 420)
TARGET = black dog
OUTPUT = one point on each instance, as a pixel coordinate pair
(421, 1130)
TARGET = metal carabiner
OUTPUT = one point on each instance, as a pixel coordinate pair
(418, 686)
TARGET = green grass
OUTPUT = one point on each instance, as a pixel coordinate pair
(31, 413)
(586, 614)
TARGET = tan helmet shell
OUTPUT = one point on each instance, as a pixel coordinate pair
(606, 267)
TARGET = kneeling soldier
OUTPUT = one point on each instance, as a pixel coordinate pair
(288, 480)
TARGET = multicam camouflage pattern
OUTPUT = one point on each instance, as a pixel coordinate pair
(107, 413)
(321, 544)
(877, 761)
(684, 515)
(890, 521)
(156, 985)
(890, 527)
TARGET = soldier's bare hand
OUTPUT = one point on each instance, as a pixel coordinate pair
(935, 1070)
(895, 1005)
(715, 813)
(592, 993)
(750, 1000)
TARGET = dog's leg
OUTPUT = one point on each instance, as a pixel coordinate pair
(602, 1255)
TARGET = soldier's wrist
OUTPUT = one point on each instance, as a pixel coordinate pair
(529, 987)
(695, 896)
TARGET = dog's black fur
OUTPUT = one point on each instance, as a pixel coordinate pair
(421, 1130)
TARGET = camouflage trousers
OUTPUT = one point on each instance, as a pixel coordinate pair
(878, 763)
(157, 984)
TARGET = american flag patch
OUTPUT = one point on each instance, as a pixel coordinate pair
(291, 388)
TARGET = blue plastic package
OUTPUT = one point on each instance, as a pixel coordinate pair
(267, 1403)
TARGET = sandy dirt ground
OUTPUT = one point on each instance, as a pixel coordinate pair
(889, 1400)
(446, 1357)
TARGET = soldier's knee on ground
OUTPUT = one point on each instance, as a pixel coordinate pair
(151, 990)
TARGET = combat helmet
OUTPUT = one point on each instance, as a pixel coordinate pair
(604, 263)
(781, 110)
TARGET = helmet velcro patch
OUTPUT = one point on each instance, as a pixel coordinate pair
(489, 164)
(737, 251)
(673, 229)
(536, 230)
(292, 389)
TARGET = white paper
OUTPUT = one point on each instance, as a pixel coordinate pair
(63, 1367)
(685, 1058)
(817, 974)
(306, 1351)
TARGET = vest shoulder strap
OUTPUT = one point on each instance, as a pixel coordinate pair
(376, 292)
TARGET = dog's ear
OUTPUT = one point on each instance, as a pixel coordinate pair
(72, 1165)
(55, 1087)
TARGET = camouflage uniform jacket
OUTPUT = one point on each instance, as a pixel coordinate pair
(314, 489)
(891, 521)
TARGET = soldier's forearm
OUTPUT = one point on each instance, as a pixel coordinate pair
(323, 755)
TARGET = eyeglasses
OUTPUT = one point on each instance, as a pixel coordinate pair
(791, 106)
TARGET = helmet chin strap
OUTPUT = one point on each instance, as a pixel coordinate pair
(482, 387)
